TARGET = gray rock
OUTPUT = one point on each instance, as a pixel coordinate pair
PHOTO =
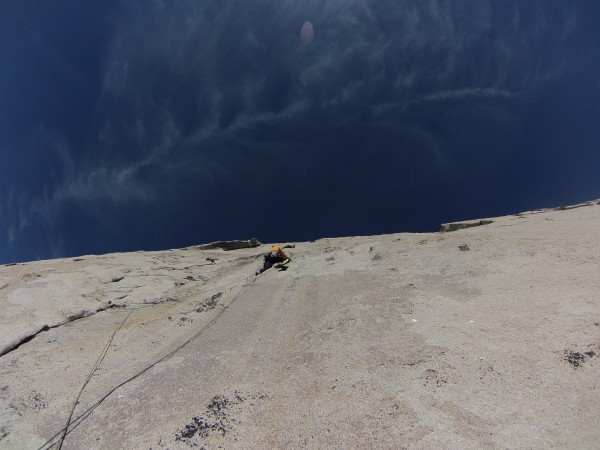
(453, 226)
(229, 245)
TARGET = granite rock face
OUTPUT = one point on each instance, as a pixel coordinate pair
(392, 341)
(453, 226)
(230, 245)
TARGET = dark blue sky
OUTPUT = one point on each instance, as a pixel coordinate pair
(158, 124)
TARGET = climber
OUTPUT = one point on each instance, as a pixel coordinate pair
(276, 256)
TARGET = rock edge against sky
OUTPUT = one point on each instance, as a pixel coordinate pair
(487, 336)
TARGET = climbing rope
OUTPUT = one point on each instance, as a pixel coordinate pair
(98, 362)
(78, 420)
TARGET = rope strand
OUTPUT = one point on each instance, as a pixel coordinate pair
(78, 420)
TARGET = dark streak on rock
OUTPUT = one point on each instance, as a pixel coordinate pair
(447, 227)
(215, 419)
(25, 340)
(70, 318)
(229, 245)
(210, 303)
(576, 359)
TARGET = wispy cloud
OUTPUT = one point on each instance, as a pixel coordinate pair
(191, 91)
(460, 94)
